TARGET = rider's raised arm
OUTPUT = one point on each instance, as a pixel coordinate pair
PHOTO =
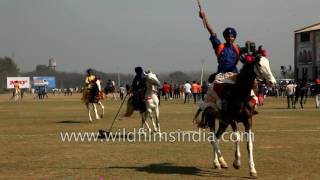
(204, 18)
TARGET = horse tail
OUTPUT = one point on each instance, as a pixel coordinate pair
(208, 117)
(130, 108)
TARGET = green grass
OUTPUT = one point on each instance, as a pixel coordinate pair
(286, 143)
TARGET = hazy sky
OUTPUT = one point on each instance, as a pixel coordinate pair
(164, 35)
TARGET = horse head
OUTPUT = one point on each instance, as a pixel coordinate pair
(151, 78)
(260, 66)
(263, 70)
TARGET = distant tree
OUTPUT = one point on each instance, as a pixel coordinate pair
(41, 68)
(178, 77)
(7, 68)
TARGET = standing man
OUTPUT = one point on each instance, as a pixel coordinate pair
(290, 89)
(194, 90)
(122, 91)
(187, 91)
(204, 89)
(166, 91)
(316, 90)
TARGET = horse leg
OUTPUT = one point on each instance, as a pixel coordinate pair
(20, 97)
(216, 163)
(102, 107)
(250, 136)
(236, 140)
(114, 96)
(157, 119)
(95, 110)
(88, 108)
(143, 120)
(149, 114)
(215, 144)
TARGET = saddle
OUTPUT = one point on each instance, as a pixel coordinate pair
(223, 81)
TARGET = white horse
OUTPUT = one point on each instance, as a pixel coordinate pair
(16, 96)
(151, 100)
(93, 96)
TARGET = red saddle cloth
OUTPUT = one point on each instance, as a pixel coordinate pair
(99, 96)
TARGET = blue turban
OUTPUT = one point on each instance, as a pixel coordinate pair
(229, 31)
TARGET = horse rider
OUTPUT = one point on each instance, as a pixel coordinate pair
(110, 87)
(16, 86)
(228, 54)
(88, 84)
(16, 91)
(138, 89)
(89, 80)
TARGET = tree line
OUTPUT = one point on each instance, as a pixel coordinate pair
(8, 68)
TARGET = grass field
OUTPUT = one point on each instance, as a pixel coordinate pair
(287, 144)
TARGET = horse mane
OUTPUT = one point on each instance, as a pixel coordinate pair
(244, 82)
(239, 94)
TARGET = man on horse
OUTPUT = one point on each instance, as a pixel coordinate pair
(228, 54)
(138, 88)
(16, 92)
(90, 89)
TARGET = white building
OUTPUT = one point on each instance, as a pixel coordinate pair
(307, 52)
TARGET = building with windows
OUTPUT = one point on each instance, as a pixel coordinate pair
(307, 52)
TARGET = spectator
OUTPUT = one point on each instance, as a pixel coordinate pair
(316, 90)
(194, 90)
(187, 91)
(204, 89)
(290, 94)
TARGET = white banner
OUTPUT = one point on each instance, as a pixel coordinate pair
(24, 82)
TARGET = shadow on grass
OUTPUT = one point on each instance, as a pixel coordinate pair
(169, 168)
(281, 108)
(69, 122)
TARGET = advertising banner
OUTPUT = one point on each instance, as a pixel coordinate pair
(48, 81)
(24, 82)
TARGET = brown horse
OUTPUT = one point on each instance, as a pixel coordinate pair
(236, 107)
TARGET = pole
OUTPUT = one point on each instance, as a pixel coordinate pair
(202, 67)
(118, 74)
(118, 79)
(124, 99)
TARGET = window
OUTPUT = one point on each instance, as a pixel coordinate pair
(305, 37)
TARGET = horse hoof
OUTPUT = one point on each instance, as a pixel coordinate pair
(223, 163)
(101, 116)
(216, 165)
(236, 165)
(253, 175)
